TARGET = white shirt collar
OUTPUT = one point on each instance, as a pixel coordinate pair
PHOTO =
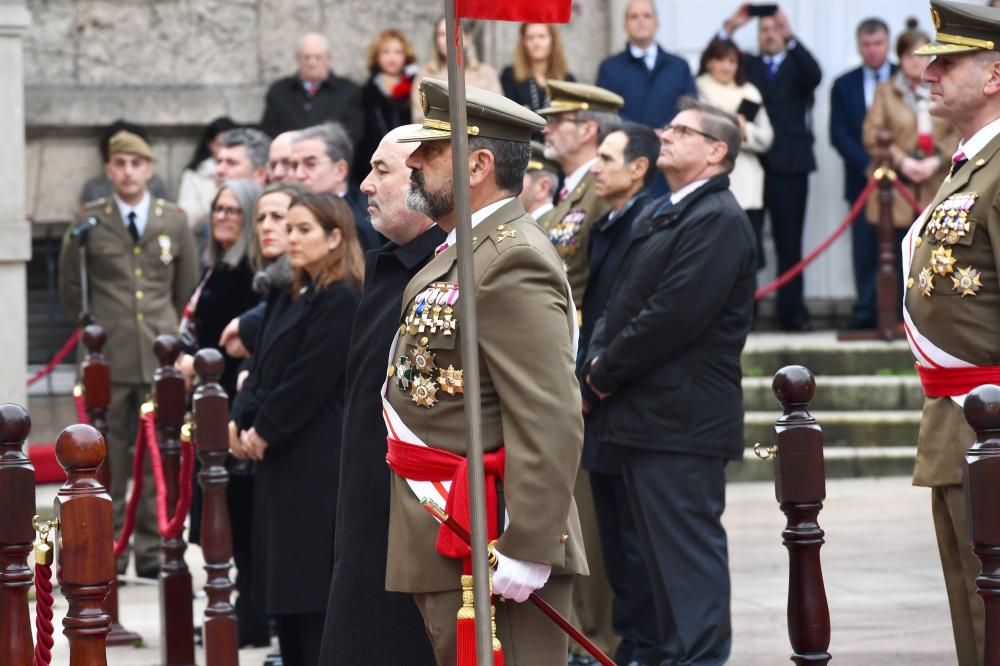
(478, 217)
(679, 195)
(574, 178)
(542, 210)
(141, 211)
(979, 140)
(777, 58)
(648, 55)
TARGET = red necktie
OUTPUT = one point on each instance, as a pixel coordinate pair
(957, 161)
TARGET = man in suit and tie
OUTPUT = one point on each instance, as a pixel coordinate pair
(787, 76)
(850, 97)
(141, 268)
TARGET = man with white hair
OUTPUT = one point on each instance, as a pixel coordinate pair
(364, 623)
(313, 95)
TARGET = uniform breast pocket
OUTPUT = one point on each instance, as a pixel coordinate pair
(107, 249)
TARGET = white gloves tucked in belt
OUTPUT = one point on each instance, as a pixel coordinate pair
(516, 579)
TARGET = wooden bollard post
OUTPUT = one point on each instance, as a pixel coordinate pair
(176, 592)
(86, 544)
(17, 499)
(211, 434)
(982, 493)
(95, 373)
(800, 487)
(888, 304)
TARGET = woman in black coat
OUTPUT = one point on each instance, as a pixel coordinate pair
(538, 57)
(288, 417)
(224, 291)
(385, 98)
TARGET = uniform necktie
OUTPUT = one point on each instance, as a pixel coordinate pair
(957, 161)
(133, 228)
(563, 193)
(441, 248)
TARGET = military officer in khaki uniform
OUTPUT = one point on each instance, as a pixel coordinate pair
(541, 181)
(579, 117)
(952, 303)
(531, 416)
(141, 269)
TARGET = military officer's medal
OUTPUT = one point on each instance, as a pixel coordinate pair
(967, 283)
(422, 360)
(451, 381)
(949, 222)
(926, 281)
(424, 391)
(404, 374)
(942, 261)
(166, 249)
(563, 234)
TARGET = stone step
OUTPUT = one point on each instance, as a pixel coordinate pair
(840, 463)
(859, 429)
(843, 393)
(824, 355)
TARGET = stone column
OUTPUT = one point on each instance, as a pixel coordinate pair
(15, 233)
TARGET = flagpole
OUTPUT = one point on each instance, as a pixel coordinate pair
(470, 335)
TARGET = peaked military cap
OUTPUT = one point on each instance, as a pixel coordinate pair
(127, 142)
(539, 162)
(489, 114)
(961, 28)
(570, 96)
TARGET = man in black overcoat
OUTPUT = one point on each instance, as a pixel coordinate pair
(623, 173)
(665, 364)
(364, 623)
(787, 75)
(313, 95)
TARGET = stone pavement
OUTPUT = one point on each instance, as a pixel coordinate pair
(884, 585)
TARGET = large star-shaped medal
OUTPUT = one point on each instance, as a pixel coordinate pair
(967, 283)
(404, 374)
(942, 262)
(926, 281)
(424, 391)
(423, 360)
(451, 381)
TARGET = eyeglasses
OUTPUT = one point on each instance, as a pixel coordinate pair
(227, 211)
(684, 131)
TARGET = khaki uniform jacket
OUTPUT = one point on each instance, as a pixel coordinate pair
(137, 291)
(530, 403)
(967, 327)
(889, 111)
(568, 226)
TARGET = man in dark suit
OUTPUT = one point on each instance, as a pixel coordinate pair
(787, 76)
(313, 95)
(623, 172)
(850, 97)
(364, 623)
(665, 364)
(321, 159)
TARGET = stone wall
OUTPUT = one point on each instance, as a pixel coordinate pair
(173, 65)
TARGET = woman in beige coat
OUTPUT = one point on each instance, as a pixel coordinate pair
(722, 82)
(477, 74)
(921, 145)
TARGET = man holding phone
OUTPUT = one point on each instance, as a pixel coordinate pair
(787, 75)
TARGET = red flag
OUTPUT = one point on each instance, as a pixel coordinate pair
(529, 11)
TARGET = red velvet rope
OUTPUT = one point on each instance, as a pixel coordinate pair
(794, 271)
(58, 358)
(907, 195)
(43, 615)
(170, 528)
(81, 409)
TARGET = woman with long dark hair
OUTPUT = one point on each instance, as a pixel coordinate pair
(198, 187)
(538, 58)
(288, 418)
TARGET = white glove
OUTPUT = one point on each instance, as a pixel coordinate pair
(516, 579)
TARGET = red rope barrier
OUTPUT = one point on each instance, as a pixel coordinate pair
(170, 528)
(58, 358)
(907, 196)
(794, 271)
(81, 407)
(43, 615)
